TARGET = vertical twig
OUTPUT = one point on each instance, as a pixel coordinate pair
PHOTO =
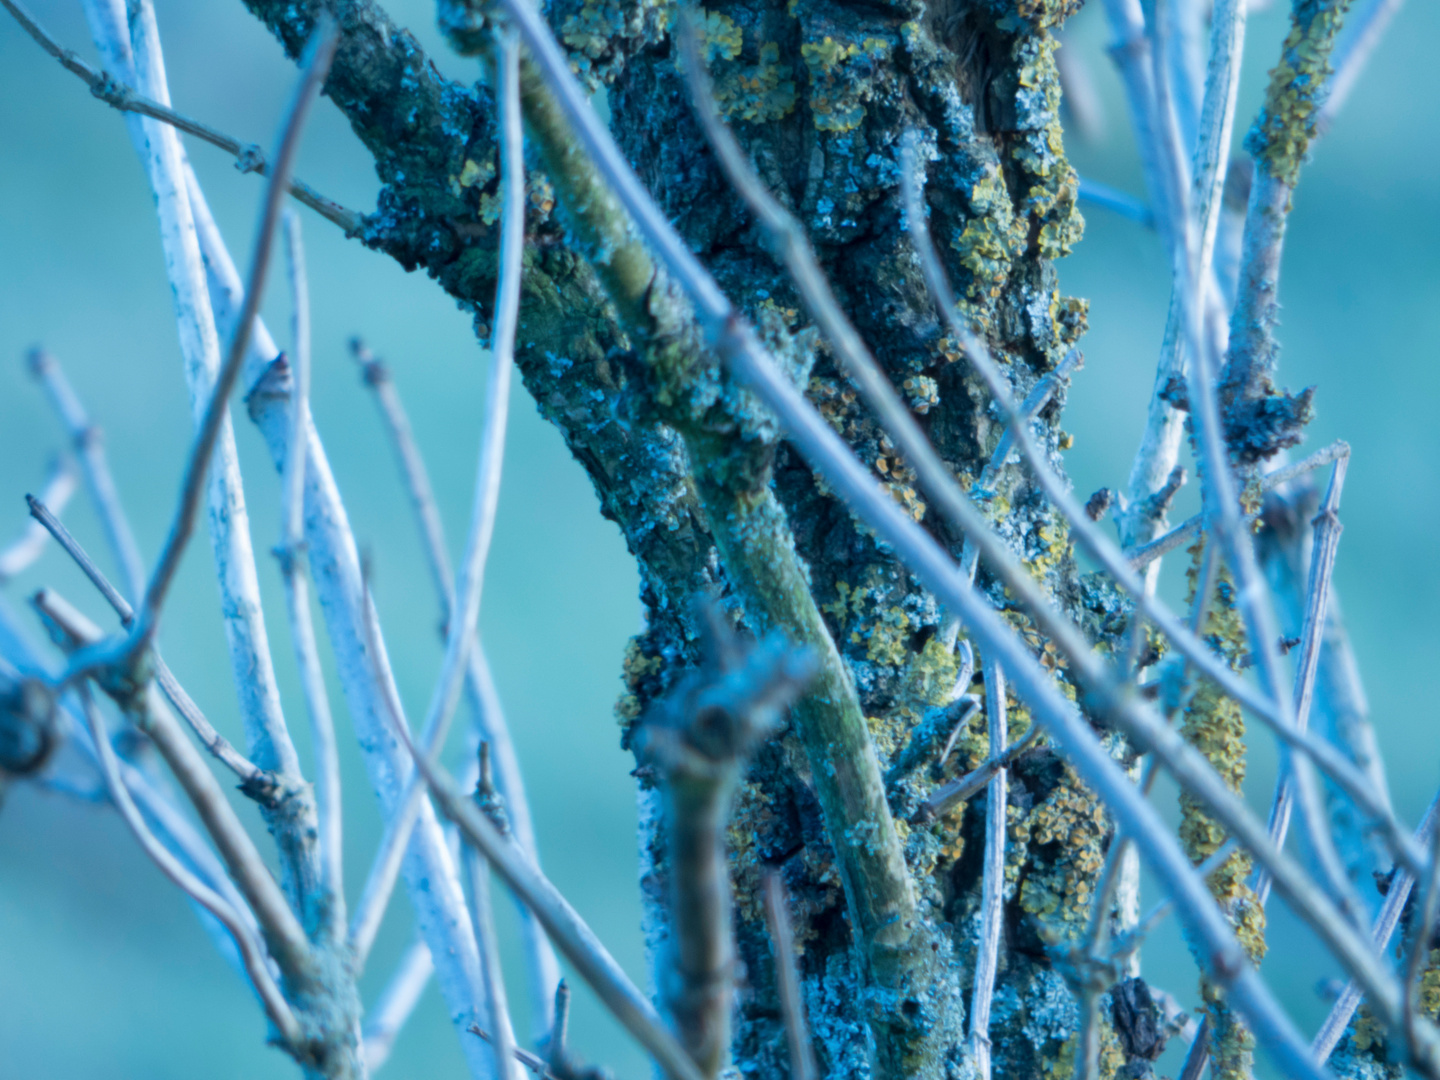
(396, 1002)
(481, 910)
(89, 443)
(787, 980)
(329, 809)
(464, 609)
(992, 882)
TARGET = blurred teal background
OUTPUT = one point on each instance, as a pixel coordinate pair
(104, 971)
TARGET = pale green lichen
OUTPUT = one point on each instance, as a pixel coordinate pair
(758, 93)
(1214, 724)
(1281, 136)
(842, 79)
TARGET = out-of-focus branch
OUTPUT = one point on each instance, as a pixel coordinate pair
(88, 442)
(787, 980)
(248, 156)
(566, 929)
(697, 738)
(24, 550)
(253, 956)
(992, 881)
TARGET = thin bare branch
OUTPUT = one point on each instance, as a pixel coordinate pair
(26, 548)
(256, 963)
(258, 783)
(89, 445)
(316, 64)
(787, 980)
(284, 936)
(992, 881)
(329, 810)
(962, 789)
(477, 870)
(396, 1002)
(464, 608)
(248, 156)
(1188, 529)
(1366, 24)
(566, 929)
(1396, 897)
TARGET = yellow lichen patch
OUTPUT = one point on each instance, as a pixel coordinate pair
(723, 38)
(909, 501)
(889, 637)
(1054, 546)
(634, 668)
(759, 92)
(1062, 1066)
(842, 79)
(1281, 136)
(931, 674)
(1215, 726)
(1059, 888)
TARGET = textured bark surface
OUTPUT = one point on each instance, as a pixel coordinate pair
(820, 94)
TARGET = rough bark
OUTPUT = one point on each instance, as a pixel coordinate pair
(711, 502)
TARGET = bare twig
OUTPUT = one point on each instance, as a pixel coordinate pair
(255, 961)
(566, 929)
(481, 914)
(396, 1002)
(284, 936)
(1366, 24)
(316, 64)
(1322, 566)
(962, 789)
(248, 156)
(329, 811)
(1396, 897)
(1116, 201)
(355, 638)
(89, 445)
(1190, 528)
(258, 783)
(992, 881)
(464, 609)
(22, 552)
(787, 980)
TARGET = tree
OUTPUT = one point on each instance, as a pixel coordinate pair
(826, 468)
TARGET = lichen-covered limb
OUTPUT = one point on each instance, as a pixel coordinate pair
(755, 543)
(698, 738)
(1259, 419)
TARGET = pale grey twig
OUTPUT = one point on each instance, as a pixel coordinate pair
(357, 645)
(1116, 201)
(1396, 897)
(1317, 603)
(315, 65)
(329, 810)
(962, 789)
(481, 910)
(22, 552)
(1198, 1055)
(283, 934)
(248, 156)
(737, 344)
(88, 442)
(566, 929)
(992, 880)
(787, 980)
(396, 1002)
(464, 608)
(534, 1062)
(252, 955)
(1188, 529)
(258, 783)
(1131, 939)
